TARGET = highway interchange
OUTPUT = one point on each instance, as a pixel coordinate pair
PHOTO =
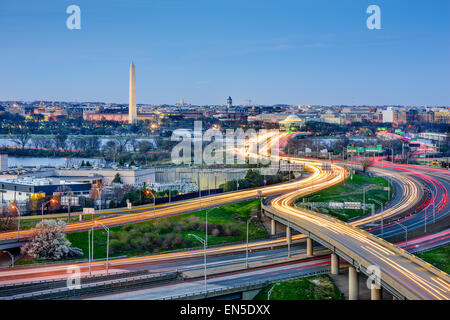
(410, 178)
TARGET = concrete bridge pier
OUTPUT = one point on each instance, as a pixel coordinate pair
(334, 263)
(288, 235)
(273, 227)
(353, 283)
(375, 293)
(309, 247)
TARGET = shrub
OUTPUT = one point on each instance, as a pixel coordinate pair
(215, 232)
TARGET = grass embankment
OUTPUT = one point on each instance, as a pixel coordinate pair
(440, 258)
(319, 287)
(226, 224)
(352, 191)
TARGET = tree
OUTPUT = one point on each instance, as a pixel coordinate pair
(8, 219)
(21, 139)
(117, 178)
(122, 143)
(111, 149)
(254, 178)
(61, 141)
(145, 146)
(48, 241)
(92, 143)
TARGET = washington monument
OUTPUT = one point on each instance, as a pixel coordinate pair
(132, 111)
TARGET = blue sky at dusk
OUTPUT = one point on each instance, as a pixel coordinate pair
(295, 52)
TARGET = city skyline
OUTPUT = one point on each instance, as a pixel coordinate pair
(287, 53)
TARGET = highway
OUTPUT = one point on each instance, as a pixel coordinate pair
(276, 273)
(316, 181)
(397, 268)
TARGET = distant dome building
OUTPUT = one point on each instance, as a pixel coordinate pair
(229, 103)
(293, 121)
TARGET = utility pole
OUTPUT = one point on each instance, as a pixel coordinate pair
(202, 241)
(11, 256)
(246, 248)
(406, 234)
(199, 189)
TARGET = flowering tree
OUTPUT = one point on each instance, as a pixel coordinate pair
(48, 241)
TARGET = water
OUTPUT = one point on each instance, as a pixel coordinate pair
(42, 161)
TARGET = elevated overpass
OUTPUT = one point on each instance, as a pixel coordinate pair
(402, 274)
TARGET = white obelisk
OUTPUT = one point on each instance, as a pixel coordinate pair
(132, 111)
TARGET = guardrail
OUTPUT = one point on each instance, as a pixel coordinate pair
(252, 285)
(97, 288)
(32, 286)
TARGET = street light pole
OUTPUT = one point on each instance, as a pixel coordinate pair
(42, 210)
(89, 251)
(271, 289)
(434, 206)
(204, 257)
(107, 244)
(246, 250)
(406, 234)
(16, 207)
(11, 256)
(154, 204)
(364, 199)
(381, 204)
(44, 204)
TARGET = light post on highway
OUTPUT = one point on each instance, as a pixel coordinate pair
(202, 241)
(381, 205)
(52, 201)
(271, 289)
(148, 192)
(434, 207)
(289, 235)
(16, 207)
(11, 256)
(406, 234)
(364, 199)
(89, 249)
(107, 244)
(246, 250)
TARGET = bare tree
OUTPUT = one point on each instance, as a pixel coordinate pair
(92, 143)
(8, 219)
(21, 139)
(122, 143)
(60, 141)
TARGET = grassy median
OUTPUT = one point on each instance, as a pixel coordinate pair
(440, 258)
(351, 191)
(311, 288)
